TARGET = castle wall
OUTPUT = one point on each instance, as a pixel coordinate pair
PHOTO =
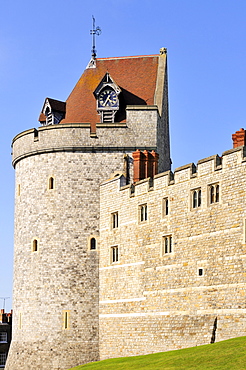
(151, 301)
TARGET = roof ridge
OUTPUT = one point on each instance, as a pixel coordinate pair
(128, 57)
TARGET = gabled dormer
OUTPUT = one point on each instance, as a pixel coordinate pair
(107, 97)
(53, 112)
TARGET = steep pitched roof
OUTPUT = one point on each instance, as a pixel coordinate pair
(136, 76)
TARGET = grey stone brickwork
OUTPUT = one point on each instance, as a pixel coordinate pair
(151, 301)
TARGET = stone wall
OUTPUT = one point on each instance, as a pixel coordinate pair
(55, 272)
(153, 301)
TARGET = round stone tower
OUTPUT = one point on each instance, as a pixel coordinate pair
(56, 263)
(58, 171)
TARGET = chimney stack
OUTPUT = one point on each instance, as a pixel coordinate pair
(239, 138)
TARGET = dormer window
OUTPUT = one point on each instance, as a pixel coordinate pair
(53, 111)
(107, 94)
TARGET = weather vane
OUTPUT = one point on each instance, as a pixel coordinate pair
(95, 31)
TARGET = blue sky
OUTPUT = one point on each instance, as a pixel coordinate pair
(45, 46)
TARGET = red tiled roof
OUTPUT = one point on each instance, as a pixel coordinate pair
(136, 76)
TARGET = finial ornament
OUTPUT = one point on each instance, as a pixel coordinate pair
(95, 31)
(163, 51)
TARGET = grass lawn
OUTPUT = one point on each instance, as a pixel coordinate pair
(227, 355)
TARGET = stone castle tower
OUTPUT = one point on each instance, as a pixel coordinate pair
(119, 105)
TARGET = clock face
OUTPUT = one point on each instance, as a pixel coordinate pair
(108, 98)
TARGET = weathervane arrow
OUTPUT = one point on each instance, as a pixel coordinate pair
(95, 31)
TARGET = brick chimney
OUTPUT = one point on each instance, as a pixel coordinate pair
(145, 164)
(239, 138)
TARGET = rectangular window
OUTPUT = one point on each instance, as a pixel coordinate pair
(167, 245)
(214, 193)
(165, 207)
(196, 198)
(114, 220)
(66, 320)
(143, 213)
(3, 337)
(3, 358)
(114, 254)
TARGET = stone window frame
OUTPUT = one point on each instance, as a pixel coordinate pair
(114, 220)
(35, 245)
(143, 213)
(51, 182)
(167, 245)
(90, 243)
(214, 193)
(66, 319)
(165, 207)
(114, 254)
(196, 198)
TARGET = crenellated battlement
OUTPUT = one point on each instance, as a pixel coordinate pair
(206, 167)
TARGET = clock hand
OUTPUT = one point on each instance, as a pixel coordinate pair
(106, 101)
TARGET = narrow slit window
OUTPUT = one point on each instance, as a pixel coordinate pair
(93, 244)
(200, 272)
(66, 320)
(51, 183)
(35, 245)
(165, 207)
(115, 220)
(143, 212)
(18, 190)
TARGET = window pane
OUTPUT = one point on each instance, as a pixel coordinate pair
(170, 244)
(212, 194)
(194, 199)
(199, 198)
(217, 193)
(166, 245)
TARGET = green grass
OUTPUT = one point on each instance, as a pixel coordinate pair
(227, 355)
